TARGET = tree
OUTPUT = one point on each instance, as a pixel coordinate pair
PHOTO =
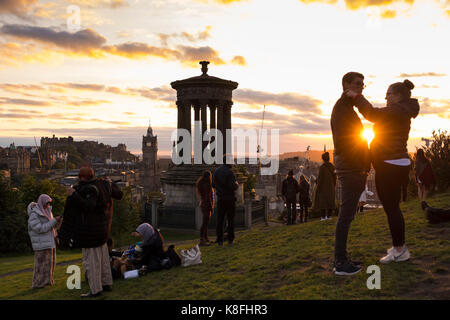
(439, 155)
(126, 216)
(13, 219)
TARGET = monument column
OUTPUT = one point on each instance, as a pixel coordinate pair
(187, 116)
(226, 121)
(203, 104)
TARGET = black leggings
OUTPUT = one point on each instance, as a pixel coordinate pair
(389, 179)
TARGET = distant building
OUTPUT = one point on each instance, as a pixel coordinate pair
(151, 178)
(16, 159)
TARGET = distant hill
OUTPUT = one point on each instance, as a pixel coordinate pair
(314, 155)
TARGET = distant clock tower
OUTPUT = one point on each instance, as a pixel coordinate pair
(150, 162)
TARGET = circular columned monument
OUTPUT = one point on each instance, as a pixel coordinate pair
(199, 93)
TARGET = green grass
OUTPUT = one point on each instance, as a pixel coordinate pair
(287, 262)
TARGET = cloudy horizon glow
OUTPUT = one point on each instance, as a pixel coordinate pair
(108, 79)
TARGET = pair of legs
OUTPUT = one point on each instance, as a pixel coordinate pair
(353, 184)
(422, 191)
(225, 208)
(324, 213)
(97, 268)
(44, 268)
(204, 229)
(389, 179)
(291, 207)
(303, 212)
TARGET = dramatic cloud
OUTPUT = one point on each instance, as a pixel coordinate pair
(439, 107)
(358, 4)
(423, 74)
(388, 14)
(101, 3)
(200, 36)
(87, 42)
(83, 41)
(18, 8)
(24, 102)
(289, 124)
(239, 60)
(289, 100)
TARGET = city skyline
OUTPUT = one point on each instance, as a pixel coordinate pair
(105, 81)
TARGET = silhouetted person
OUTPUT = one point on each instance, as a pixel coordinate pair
(351, 158)
(325, 190)
(304, 199)
(206, 193)
(289, 191)
(224, 181)
(390, 156)
(424, 175)
(91, 199)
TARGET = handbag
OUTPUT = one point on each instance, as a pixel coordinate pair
(191, 257)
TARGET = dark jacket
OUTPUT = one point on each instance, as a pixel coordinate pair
(224, 181)
(303, 197)
(351, 153)
(86, 220)
(289, 189)
(325, 189)
(391, 127)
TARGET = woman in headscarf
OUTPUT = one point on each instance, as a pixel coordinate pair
(152, 246)
(42, 231)
(424, 175)
(206, 193)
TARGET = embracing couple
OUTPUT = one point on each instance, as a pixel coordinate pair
(388, 154)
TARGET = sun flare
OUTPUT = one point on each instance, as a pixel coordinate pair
(368, 134)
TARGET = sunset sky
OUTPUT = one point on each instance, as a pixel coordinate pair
(107, 79)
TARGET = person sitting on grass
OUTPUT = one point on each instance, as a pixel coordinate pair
(153, 255)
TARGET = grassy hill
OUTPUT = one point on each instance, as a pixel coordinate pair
(288, 262)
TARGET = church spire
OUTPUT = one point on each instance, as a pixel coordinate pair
(149, 130)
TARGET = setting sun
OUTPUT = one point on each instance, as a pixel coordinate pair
(368, 135)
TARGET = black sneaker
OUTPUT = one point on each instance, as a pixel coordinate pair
(346, 268)
(90, 295)
(107, 288)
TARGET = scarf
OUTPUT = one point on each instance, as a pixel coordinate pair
(43, 199)
(147, 232)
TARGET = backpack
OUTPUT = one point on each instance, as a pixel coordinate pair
(173, 255)
(291, 189)
(436, 215)
(104, 188)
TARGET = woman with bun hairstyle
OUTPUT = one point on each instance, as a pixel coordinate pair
(390, 156)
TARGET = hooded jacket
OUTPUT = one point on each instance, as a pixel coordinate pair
(391, 127)
(40, 228)
(85, 222)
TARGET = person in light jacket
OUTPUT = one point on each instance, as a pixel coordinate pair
(42, 231)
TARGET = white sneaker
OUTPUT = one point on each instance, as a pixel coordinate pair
(394, 256)
(323, 219)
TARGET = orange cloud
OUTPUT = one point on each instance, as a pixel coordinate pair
(18, 8)
(89, 43)
(358, 4)
(388, 14)
(201, 35)
(239, 60)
